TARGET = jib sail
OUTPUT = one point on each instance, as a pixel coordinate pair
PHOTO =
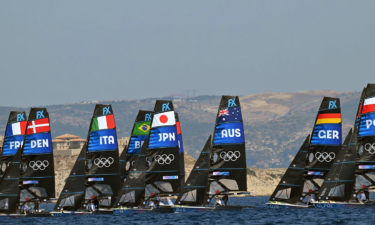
(289, 188)
(37, 165)
(163, 174)
(14, 135)
(366, 139)
(9, 185)
(133, 188)
(73, 193)
(228, 161)
(103, 173)
(339, 182)
(194, 191)
(325, 144)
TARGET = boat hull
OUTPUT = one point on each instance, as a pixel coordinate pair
(287, 206)
(188, 209)
(130, 211)
(167, 209)
(342, 205)
(68, 214)
(103, 211)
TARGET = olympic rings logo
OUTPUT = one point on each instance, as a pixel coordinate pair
(328, 157)
(370, 148)
(230, 155)
(39, 165)
(164, 159)
(103, 162)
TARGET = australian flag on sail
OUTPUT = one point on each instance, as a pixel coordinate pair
(11, 144)
(228, 133)
(103, 140)
(136, 143)
(38, 143)
(229, 115)
(367, 126)
(162, 137)
(327, 134)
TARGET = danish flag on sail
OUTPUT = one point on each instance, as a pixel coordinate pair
(369, 105)
(38, 126)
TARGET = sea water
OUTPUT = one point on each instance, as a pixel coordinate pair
(260, 214)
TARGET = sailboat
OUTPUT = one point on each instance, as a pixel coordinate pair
(14, 136)
(102, 160)
(325, 145)
(227, 172)
(9, 186)
(37, 181)
(338, 190)
(289, 189)
(72, 196)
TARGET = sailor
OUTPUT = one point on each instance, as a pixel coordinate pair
(310, 200)
(88, 206)
(169, 202)
(158, 201)
(92, 206)
(217, 201)
(361, 197)
(36, 205)
(151, 204)
(26, 208)
(96, 203)
(367, 193)
(225, 200)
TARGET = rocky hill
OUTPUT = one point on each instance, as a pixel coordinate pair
(260, 182)
(275, 123)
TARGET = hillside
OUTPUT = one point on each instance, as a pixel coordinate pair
(275, 123)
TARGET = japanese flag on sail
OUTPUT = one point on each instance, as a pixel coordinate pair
(38, 126)
(164, 119)
(16, 128)
(369, 105)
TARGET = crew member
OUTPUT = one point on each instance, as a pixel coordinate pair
(151, 204)
(225, 200)
(310, 200)
(361, 197)
(169, 202)
(367, 193)
(217, 201)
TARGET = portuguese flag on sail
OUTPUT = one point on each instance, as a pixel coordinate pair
(142, 128)
(103, 122)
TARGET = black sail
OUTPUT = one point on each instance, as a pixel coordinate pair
(325, 144)
(339, 182)
(9, 185)
(102, 172)
(163, 174)
(14, 136)
(37, 165)
(366, 139)
(194, 191)
(290, 187)
(181, 150)
(133, 188)
(73, 193)
(228, 161)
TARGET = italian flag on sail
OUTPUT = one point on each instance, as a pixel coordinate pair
(103, 122)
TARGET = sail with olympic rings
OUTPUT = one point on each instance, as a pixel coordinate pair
(102, 158)
(365, 122)
(37, 182)
(325, 145)
(163, 156)
(228, 171)
(14, 135)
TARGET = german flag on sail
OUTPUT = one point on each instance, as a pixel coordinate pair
(329, 118)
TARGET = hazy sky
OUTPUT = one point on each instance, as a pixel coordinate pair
(54, 52)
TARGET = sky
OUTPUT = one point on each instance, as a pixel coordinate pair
(56, 52)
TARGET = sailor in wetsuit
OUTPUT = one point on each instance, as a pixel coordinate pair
(217, 201)
(225, 200)
(361, 197)
(310, 200)
(367, 193)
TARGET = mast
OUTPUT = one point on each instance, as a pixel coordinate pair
(194, 193)
(102, 172)
(14, 135)
(339, 182)
(37, 165)
(133, 188)
(73, 193)
(366, 139)
(228, 159)
(163, 174)
(9, 185)
(290, 186)
(325, 144)
(181, 150)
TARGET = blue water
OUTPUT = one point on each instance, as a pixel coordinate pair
(258, 215)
